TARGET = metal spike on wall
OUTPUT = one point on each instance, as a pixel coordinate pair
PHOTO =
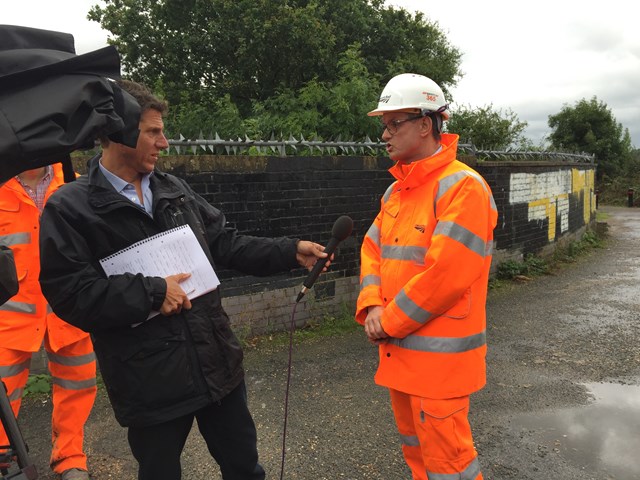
(293, 141)
(278, 145)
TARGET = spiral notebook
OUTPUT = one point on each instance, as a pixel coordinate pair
(167, 253)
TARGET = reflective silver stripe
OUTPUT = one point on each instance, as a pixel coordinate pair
(19, 307)
(12, 370)
(374, 234)
(462, 235)
(72, 361)
(49, 309)
(469, 473)
(388, 192)
(15, 239)
(16, 394)
(477, 176)
(74, 384)
(494, 207)
(489, 249)
(449, 181)
(410, 440)
(411, 309)
(370, 280)
(412, 254)
(441, 344)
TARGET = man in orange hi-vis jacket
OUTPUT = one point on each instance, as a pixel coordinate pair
(26, 320)
(424, 274)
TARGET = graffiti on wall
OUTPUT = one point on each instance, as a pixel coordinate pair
(547, 196)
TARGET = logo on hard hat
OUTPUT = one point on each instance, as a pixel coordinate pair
(385, 99)
(431, 97)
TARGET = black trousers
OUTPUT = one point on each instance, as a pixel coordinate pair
(226, 426)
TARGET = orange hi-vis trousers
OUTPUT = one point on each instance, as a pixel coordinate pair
(436, 437)
(73, 370)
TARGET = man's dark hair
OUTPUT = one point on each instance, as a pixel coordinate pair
(145, 98)
(436, 122)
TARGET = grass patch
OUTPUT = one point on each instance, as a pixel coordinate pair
(534, 266)
(327, 325)
(571, 252)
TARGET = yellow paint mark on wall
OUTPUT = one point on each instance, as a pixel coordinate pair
(548, 205)
(549, 196)
(585, 181)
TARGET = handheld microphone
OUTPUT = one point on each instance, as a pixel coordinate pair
(341, 229)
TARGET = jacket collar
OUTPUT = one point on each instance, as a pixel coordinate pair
(102, 193)
(56, 181)
(416, 173)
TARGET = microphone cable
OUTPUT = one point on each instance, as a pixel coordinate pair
(288, 384)
(341, 229)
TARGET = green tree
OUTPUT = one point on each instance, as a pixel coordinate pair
(219, 116)
(324, 110)
(401, 42)
(266, 53)
(633, 167)
(488, 129)
(589, 126)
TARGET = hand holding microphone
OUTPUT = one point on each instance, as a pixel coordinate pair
(342, 228)
(308, 254)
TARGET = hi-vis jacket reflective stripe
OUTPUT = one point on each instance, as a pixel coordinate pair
(426, 260)
(24, 318)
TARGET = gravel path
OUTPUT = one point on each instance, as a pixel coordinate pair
(550, 339)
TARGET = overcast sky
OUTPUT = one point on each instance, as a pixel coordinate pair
(534, 56)
(527, 56)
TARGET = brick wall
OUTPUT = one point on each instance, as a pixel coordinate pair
(540, 204)
(295, 197)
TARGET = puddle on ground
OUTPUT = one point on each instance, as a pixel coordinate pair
(602, 436)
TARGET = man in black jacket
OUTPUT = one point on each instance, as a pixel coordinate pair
(186, 363)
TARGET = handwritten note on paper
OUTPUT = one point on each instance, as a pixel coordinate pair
(167, 253)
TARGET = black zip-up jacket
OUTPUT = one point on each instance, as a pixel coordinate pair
(168, 366)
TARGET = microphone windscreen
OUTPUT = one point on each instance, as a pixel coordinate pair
(342, 228)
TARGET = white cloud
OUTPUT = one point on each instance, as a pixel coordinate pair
(530, 57)
(534, 57)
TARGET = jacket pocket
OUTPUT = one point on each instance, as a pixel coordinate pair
(229, 352)
(447, 419)
(392, 209)
(9, 204)
(154, 374)
(461, 309)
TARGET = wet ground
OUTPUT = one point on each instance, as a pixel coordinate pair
(601, 436)
(562, 400)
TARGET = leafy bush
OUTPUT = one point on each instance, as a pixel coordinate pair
(38, 384)
(531, 266)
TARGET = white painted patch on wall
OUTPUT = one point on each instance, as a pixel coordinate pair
(547, 196)
(563, 213)
(531, 187)
(538, 212)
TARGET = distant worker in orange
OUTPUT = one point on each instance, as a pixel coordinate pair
(26, 320)
(424, 272)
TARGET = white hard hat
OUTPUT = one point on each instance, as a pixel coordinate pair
(410, 91)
